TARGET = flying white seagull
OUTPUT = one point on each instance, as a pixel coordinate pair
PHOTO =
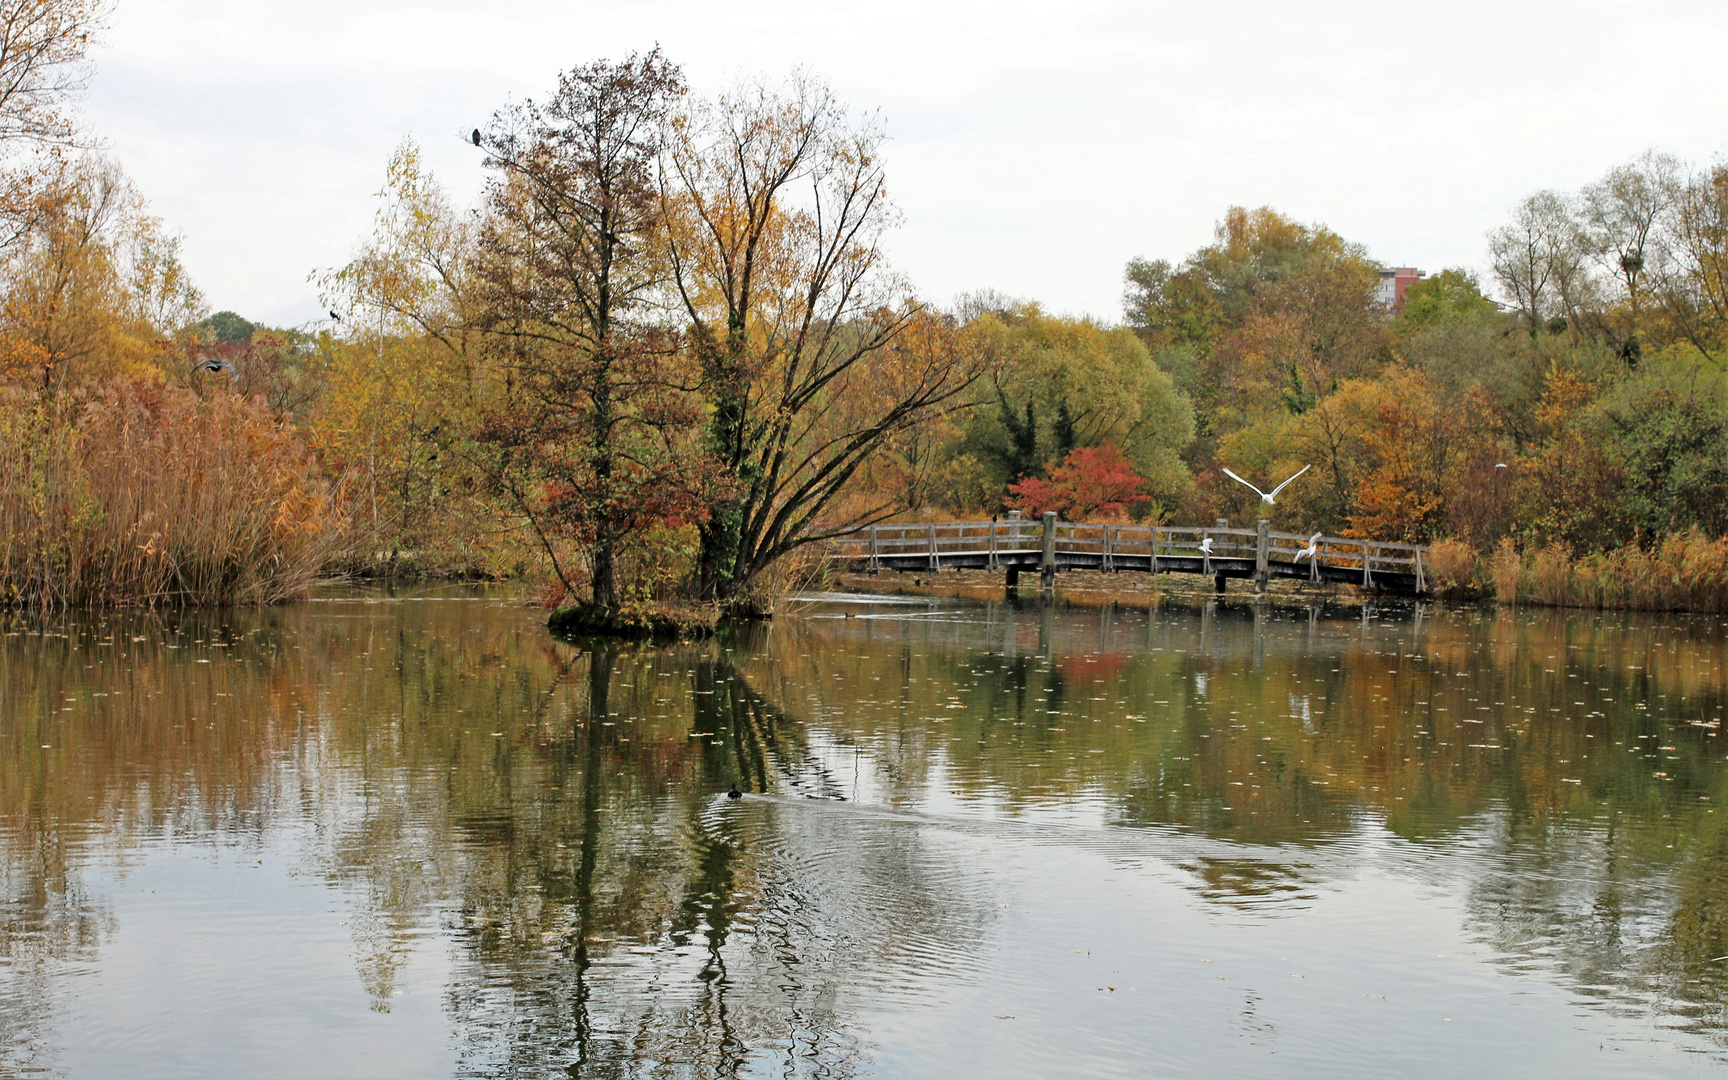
(1311, 550)
(1206, 546)
(1271, 497)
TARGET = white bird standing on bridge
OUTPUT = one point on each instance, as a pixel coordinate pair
(1311, 550)
(1269, 498)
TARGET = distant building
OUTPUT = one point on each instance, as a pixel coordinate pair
(1394, 283)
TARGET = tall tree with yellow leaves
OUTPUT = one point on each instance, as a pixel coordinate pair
(777, 206)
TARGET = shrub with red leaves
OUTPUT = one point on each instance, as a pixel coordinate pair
(1093, 482)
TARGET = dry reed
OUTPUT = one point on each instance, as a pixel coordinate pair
(1452, 569)
(1687, 571)
(1506, 571)
(145, 495)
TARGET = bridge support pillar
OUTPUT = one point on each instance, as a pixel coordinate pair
(1263, 556)
(1047, 564)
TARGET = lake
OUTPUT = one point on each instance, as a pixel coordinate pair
(408, 834)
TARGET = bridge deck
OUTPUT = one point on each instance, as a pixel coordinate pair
(1258, 554)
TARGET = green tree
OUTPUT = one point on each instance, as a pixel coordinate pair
(1667, 429)
(1066, 383)
(1449, 295)
(226, 327)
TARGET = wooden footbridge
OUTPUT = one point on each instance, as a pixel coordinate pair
(1050, 546)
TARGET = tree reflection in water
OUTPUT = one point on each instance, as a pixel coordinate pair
(554, 812)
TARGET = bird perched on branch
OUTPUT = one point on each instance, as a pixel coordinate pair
(1269, 498)
(476, 136)
(335, 316)
(216, 366)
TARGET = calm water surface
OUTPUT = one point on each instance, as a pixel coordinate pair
(412, 836)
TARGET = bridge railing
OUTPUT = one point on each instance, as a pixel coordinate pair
(1110, 543)
(1118, 546)
(1368, 556)
(936, 540)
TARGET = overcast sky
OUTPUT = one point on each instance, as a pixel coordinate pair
(1034, 148)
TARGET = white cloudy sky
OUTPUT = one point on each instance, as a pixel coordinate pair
(1035, 146)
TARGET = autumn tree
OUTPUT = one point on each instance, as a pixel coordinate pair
(1413, 450)
(777, 205)
(93, 288)
(1567, 480)
(1695, 291)
(569, 259)
(1091, 483)
(400, 375)
(44, 69)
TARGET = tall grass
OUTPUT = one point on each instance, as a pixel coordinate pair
(141, 494)
(1687, 571)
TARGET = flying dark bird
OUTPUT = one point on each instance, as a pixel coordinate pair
(217, 366)
(476, 136)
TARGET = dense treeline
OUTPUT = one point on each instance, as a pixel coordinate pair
(664, 355)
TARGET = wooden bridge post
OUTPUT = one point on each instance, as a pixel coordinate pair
(1218, 583)
(875, 562)
(990, 562)
(935, 559)
(1263, 556)
(1047, 564)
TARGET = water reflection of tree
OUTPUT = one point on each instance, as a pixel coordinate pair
(686, 934)
(574, 835)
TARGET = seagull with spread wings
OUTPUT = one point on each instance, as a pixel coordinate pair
(1268, 497)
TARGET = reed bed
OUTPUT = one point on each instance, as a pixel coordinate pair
(144, 495)
(1686, 571)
